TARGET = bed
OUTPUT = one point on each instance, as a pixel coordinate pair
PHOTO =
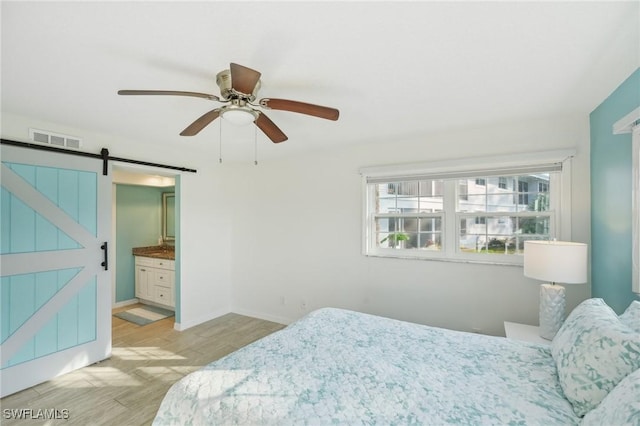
(336, 366)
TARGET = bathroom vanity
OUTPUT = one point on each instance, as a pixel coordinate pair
(155, 275)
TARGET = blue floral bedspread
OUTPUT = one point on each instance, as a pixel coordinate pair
(341, 367)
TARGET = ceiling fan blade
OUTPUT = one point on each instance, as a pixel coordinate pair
(195, 127)
(244, 79)
(169, 93)
(301, 108)
(269, 128)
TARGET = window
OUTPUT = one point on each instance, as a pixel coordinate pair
(463, 190)
(482, 215)
(410, 215)
(494, 224)
(502, 182)
(523, 192)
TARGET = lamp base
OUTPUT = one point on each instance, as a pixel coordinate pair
(552, 308)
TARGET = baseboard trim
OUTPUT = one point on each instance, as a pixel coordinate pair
(263, 316)
(181, 326)
(125, 303)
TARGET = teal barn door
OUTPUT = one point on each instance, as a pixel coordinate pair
(55, 291)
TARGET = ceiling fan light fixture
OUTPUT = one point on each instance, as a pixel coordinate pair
(238, 89)
(239, 116)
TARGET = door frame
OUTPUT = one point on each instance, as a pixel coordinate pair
(145, 176)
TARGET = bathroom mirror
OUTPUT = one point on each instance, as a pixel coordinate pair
(168, 216)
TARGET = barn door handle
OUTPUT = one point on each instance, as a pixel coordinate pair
(105, 263)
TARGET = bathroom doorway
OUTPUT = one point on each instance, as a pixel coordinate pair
(145, 214)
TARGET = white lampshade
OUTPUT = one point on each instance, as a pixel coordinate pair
(556, 261)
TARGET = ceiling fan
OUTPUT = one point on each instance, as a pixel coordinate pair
(238, 88)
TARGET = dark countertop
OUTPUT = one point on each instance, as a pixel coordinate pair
(159, 252)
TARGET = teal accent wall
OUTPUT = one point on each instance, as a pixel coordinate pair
(611, 174)
(138, 224)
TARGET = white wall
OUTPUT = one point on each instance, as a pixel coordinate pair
(262, 240)
(297, 227)
(204, 217)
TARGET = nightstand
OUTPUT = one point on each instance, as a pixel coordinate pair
(526, 333)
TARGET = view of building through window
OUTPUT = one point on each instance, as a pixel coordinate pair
(410, 214)
(492, 214)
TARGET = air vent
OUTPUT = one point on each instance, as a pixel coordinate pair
(56, 139)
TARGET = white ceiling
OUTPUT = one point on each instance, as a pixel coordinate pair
(395, 70)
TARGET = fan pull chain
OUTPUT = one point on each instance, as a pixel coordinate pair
(255, 145)
(220, 143)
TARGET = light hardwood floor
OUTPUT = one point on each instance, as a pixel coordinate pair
(127, 388)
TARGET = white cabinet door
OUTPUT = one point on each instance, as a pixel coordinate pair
(155, 280)
(144, 282)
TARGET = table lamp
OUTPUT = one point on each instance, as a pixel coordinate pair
(554, 262)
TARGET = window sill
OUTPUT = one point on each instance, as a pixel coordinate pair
(483, 261)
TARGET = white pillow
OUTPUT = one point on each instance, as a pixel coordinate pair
(620, 407)
(593, 352)
(631, 317)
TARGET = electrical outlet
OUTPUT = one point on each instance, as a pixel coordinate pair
(283, 301)
(303, 305)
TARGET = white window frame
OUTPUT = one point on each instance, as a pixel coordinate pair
(450, 170)
(630, 123)
(635, 226)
